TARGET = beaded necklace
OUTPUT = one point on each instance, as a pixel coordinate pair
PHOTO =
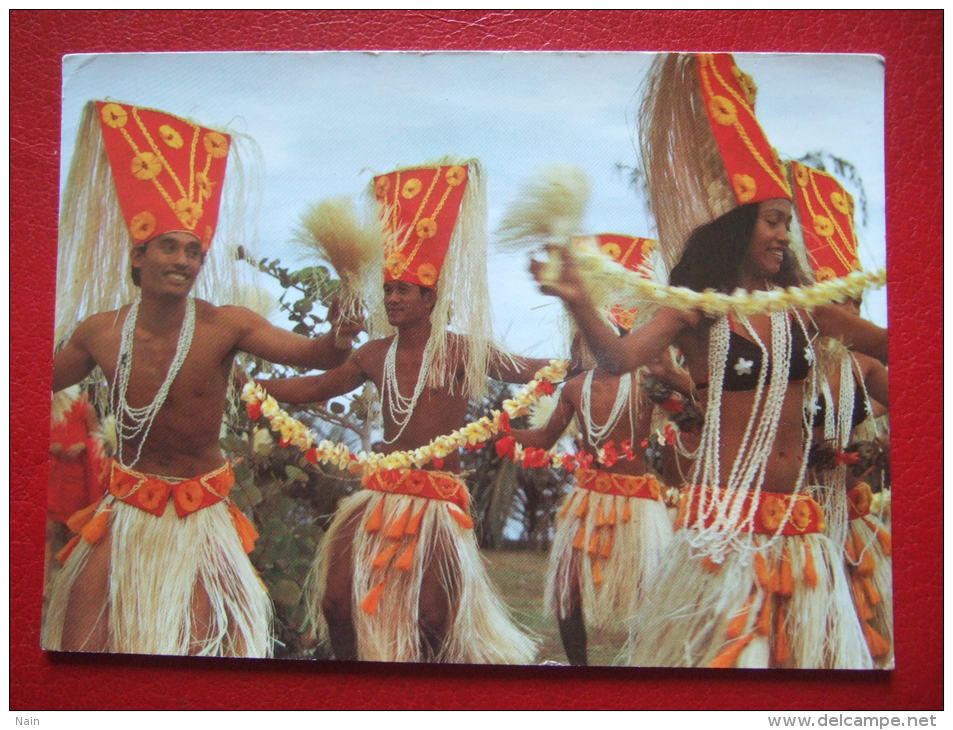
(399, 407)
(597, 433)
(135, 423)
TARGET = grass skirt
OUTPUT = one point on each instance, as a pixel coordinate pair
(788, 606)
(615, 543)
(869, 569)
(156, 565)
(395, 539)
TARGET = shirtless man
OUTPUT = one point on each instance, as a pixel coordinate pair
(442, 588)
(182, 440)
(398, 576)
(159, 564)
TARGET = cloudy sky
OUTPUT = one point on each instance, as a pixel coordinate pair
(327, 121)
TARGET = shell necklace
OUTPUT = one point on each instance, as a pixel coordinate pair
(400, 409)
(596, 432)
(135, 423)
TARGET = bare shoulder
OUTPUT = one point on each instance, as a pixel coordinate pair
(373, 351)
(100, 323)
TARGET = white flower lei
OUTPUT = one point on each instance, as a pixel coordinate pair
(608, 279)
(295, 433)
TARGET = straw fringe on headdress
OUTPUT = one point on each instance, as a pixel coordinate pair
(93, 270)
(462, 304)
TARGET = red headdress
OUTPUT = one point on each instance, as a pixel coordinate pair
(168, 171)
(630, 251)
(826, 214)
(703, 150)
(420, 208)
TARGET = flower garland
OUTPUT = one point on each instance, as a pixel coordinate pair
(605, 277)
(471, 437)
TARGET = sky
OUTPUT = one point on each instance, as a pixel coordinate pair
(326, 122)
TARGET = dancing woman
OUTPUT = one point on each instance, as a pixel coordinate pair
(612, 529)
(751, 580)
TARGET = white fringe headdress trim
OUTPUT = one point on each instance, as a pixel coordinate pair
(157, 565)
(93, 263)
(685, 176)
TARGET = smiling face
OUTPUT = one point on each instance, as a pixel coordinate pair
(168, 263)
(407, 303)
(769, 240)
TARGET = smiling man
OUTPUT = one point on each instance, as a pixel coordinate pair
(398, 576)
(159, 564)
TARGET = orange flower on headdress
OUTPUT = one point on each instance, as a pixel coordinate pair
(823, 225)
(722, 110)
(170, 136)
(612, 249)
(747, 84)
(456, 175)
(745, 187)
(381, 187)
(800, 174)
(411, 188)
(840, 202)
(427, 273)
(146, 166)
(114, 115)
(188, 212)
(216, 144)
(426, 228)
(824, 273)
(142, 226)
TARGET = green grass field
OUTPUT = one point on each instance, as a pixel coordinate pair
(520, 575)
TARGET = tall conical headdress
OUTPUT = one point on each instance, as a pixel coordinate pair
(420, 209)
(703, 150)
(136, 173)
(168, 171)
(826, 214)
(433, 228)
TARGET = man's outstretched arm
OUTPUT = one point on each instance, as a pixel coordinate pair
(316, 388)
(257, 336)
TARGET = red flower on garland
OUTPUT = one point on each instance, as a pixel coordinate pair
(284, 442)
(312, 456)
(253, 409)
(534, 458)
(545, 387)
(473, 447)
(627, 451)
(438, 462)
(669, 434)
(609, 455)
(584, 459)
(569, 462)
(504, 422)
(505, 447)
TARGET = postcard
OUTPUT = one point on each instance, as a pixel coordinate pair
(472, 357)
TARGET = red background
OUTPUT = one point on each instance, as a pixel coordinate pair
(910, 41)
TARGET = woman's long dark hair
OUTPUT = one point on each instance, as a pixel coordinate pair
(714, 253)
